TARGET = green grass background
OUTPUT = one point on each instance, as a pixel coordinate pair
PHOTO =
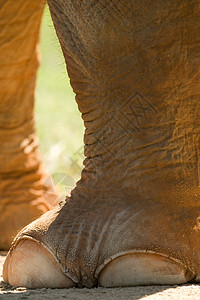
(58, 121)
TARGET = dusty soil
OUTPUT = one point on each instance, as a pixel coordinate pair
(189, 291)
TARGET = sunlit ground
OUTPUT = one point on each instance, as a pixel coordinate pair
(58, 121)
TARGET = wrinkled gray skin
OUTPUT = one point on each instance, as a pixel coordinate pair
(134, 66)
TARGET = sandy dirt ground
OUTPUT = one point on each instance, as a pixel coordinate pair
(190, 291)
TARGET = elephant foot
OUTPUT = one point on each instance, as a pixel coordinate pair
(33, 266)
(134, 216)
(100, 245)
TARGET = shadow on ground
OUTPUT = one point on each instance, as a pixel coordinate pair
(189, 291)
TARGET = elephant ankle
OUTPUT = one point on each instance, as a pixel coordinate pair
(15, 216)
(23, 198)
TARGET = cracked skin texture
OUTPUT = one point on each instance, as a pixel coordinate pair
(134, 66)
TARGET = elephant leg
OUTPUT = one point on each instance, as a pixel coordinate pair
(22, 188)
(134, 217)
